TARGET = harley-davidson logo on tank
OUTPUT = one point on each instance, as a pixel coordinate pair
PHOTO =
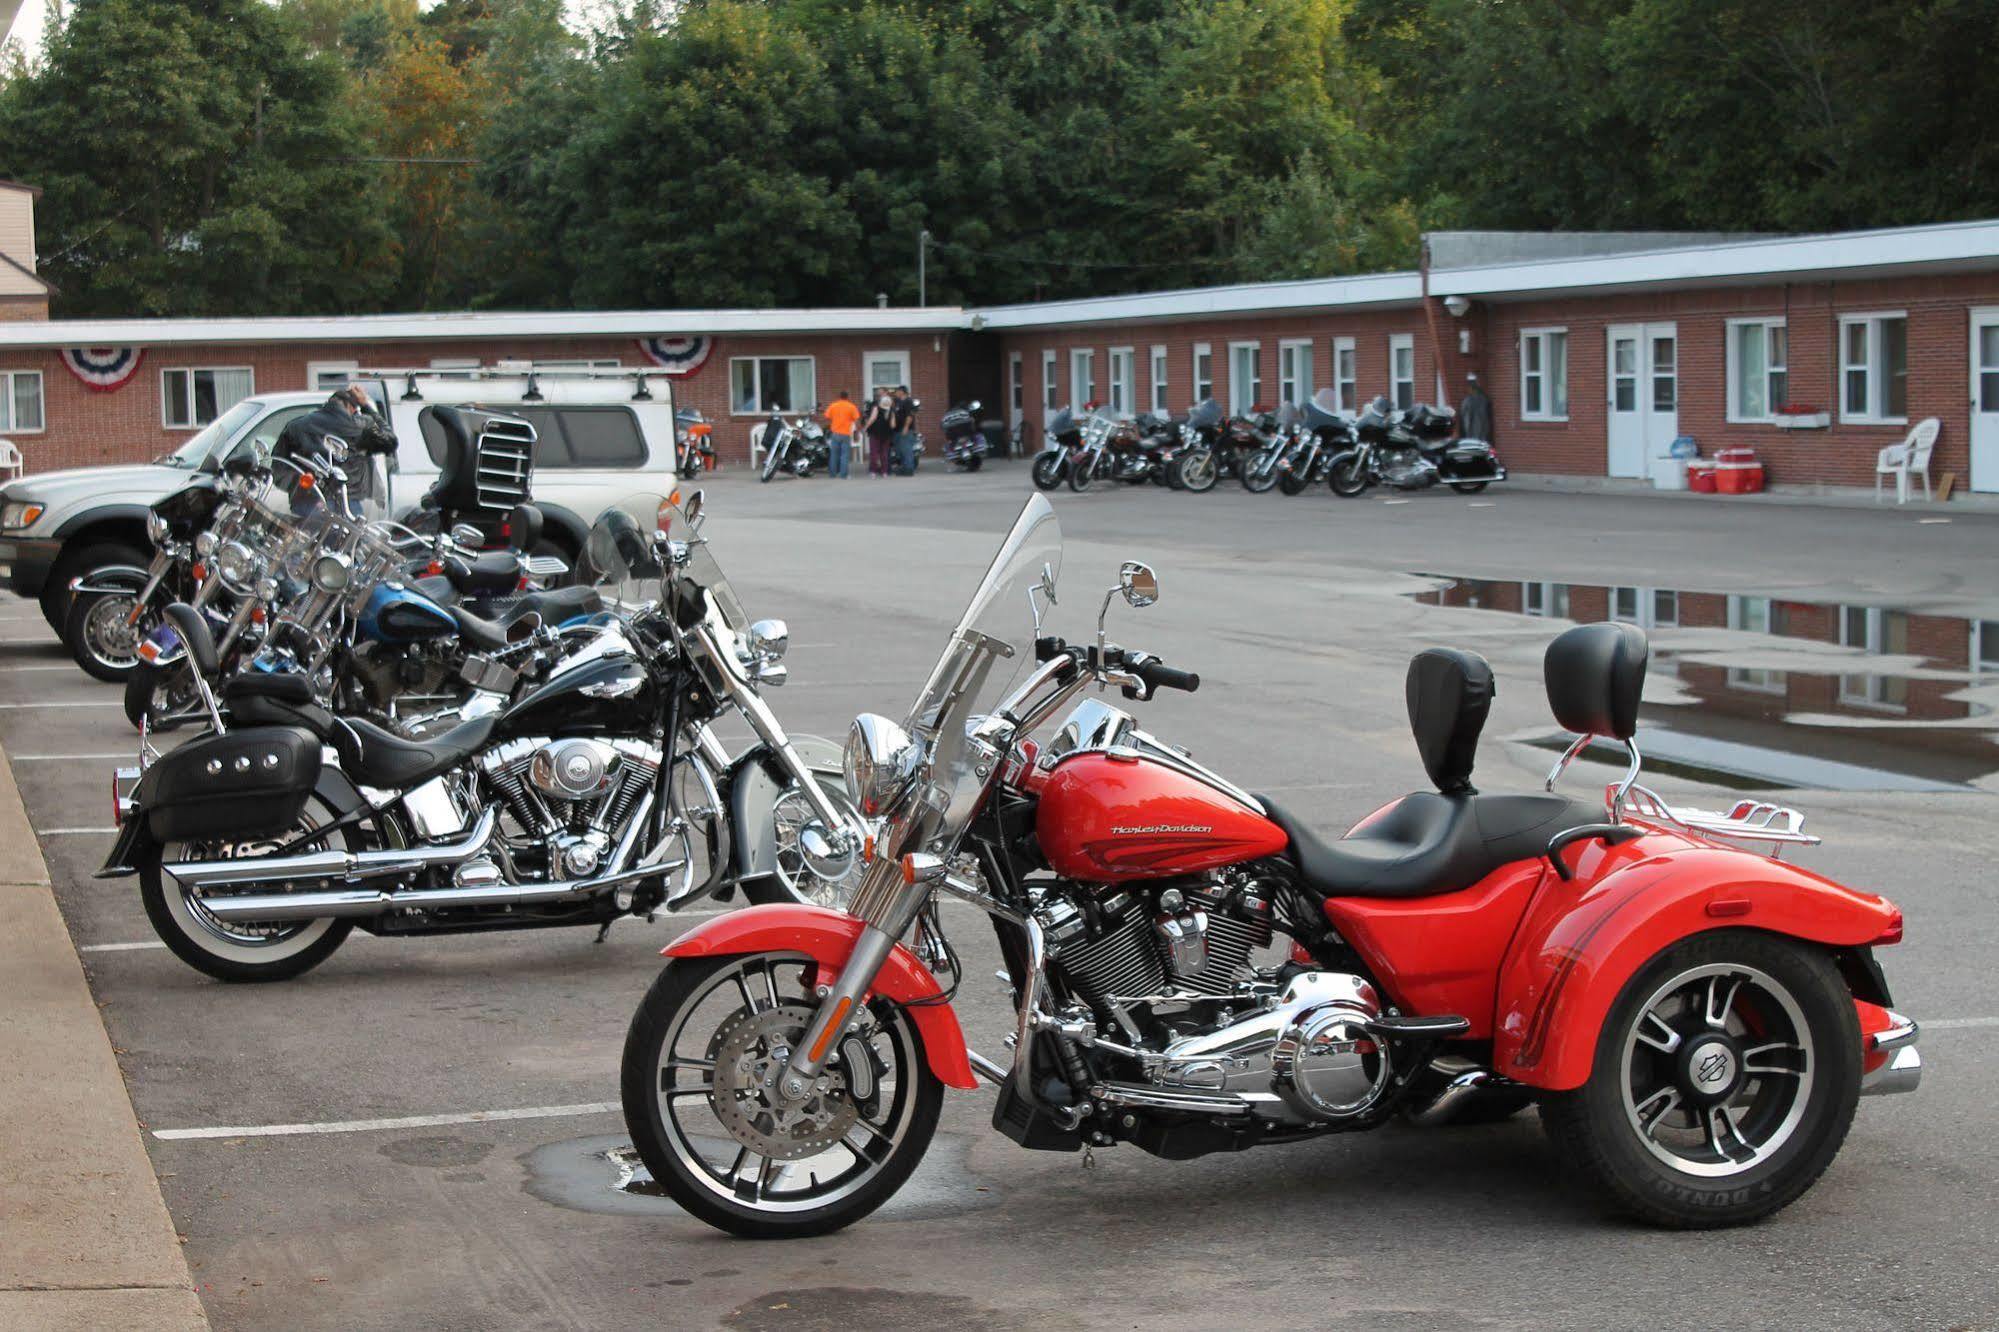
(1112, 820)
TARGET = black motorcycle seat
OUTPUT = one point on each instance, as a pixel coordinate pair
(275, 698)
(375, 757)
(486, 573)
(557, 604)
(1427, 843)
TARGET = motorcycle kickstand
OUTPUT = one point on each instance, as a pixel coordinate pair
(602, 931)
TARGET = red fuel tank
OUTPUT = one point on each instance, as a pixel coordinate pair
(1113, 819)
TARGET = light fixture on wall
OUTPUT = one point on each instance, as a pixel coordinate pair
(1457, 305)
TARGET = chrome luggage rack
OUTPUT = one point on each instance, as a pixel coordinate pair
(1746, 821)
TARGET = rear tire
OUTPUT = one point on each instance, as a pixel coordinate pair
(237, 953)
(1787, 1058)
(1469, 487)
(974, 463)
(1049, 471)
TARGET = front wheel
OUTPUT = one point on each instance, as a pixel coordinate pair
(1469, 487)
(1724, 1081)
(1049, 470)
(1294, 481)
(1196, 471)
(1259, 472)
(103, 633)
(705, 1043)
(1082, 473)
(1348, 477)
(771, 460)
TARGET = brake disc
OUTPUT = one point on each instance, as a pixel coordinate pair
(750, 1051)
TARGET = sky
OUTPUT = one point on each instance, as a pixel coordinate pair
(28, 23)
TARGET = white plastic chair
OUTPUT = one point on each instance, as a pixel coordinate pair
(1909, 458)
(11, 461)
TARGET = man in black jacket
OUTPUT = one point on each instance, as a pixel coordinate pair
(1475, 413)
(348, 417)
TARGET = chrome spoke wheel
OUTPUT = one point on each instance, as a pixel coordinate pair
(809, 864)
(728, 1128)
(1717, 1069)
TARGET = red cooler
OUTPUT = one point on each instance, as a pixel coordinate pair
(1700, 475)
(1738, 471)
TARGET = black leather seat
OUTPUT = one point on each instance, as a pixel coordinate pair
(275, 698)
(489, 573)
(1442, 841)
(375, 757)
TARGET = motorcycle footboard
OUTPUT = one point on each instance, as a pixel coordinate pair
(1031, 1125)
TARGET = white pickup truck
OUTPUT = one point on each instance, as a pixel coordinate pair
(600, 436)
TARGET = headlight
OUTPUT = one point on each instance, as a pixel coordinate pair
(204, 544)
(19, 514)
(156, 528)
(331, 572)
(238, 566)
(880, 762)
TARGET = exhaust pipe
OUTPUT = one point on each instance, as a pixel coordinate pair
(1444, 1107)
(194, 875)
(373, 901)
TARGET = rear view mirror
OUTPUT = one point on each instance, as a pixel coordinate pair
(467, 535)
(692, 509)
(1138, 583)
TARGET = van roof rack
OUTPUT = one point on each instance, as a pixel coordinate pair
(532, 371)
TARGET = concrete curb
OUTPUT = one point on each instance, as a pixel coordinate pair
(1964, 503)
(85, 1237)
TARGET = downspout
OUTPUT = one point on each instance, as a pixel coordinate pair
(1430, 319)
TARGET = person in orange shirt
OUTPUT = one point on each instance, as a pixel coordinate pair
(841, 416)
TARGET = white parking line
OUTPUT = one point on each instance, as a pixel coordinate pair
(120, 947)
(108, 703)
(376, 1125)
(1949, 1024)
(73, 832)
(51, 758)
(50, 666)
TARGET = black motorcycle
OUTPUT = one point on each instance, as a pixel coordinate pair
(795, 447)
(1262, 443)
(965, 445)
(1131, 452)
(597, 793)
(1065, 439)
(1413, 450)
(1322, 434)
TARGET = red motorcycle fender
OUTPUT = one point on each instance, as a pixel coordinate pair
(1581, 942)
(827, 937)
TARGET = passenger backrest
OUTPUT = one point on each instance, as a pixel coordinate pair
(1449, 693)
(1595, 675)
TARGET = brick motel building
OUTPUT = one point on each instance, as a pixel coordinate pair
(1597, 350)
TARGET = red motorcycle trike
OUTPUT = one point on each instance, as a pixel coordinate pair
(1195, 971)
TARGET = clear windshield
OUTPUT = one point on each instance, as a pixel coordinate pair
(629, 572)
(990, 648)
(215, 432)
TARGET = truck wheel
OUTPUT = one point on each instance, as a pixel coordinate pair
(1725, 1079)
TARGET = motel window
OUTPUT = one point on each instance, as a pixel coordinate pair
(1754, 615)
(1124, 381)
(1159, 380)
(1759, 355)
(1294, 371)
(1016, 391)
(326, 376)
(1985, 647)
(1245, 377)
(21, 409)
(1875, 632)
(1204, 372)
(1402, 370)
(1544, 374)
(1082, 376)
(191, 398)
(1874, 368)
(1051, 388)
(1546, 599)
(759, 384)
(1665, 607)
(1346, 379)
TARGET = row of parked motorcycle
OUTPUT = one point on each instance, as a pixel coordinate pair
(399, 730)
(1291, 448)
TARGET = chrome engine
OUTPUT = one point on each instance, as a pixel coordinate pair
(1170, 968)
(1407, 469)
(571, 792)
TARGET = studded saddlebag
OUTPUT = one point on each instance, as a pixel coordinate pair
(248, 784)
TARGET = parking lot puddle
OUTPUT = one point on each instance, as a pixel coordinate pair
(1773, 691)
(603, 1174)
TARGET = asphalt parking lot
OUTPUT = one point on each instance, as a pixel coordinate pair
(419, 1133)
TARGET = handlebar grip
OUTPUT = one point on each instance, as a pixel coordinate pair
(1158, 675)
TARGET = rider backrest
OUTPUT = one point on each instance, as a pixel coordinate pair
(1449, 692)
(1595, 674)
(456, 486)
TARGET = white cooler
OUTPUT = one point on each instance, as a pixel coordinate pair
(1669, 473)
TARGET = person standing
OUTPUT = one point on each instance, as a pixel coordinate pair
(903, 419)
(1475, 413)
(841, 415)
(880, 429)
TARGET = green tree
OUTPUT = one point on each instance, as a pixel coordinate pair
(196, 160)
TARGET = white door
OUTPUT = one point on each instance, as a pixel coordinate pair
(1985, 398)
(1643, 361)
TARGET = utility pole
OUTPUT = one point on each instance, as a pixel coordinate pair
(922, 267)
